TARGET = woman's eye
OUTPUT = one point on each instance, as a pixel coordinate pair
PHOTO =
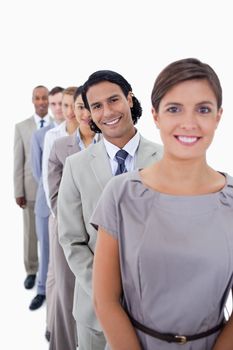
(204, 109)
(173, 109)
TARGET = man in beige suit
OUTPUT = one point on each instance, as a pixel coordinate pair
(114, 110)
(24, 183)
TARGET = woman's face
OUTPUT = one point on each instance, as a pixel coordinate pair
(82, 114)
(187, 118)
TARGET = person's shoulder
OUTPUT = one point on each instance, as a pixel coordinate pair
(226, 194)
(78, 157)
(59, 127)
(229, 178)
(229, 181)
(24, 122)
(151, 145)
(48, 127)
(51, 133)
(41, 132)
(124, 183)
(86, 154)
(63, 139)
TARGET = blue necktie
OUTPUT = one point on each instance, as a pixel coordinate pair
(42, 121)
(121, 157)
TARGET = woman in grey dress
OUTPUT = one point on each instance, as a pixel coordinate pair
(163, 264)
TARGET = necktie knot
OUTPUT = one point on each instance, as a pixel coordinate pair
(42, 121)
(121, 157)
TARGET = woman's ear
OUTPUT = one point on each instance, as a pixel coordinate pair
(219, 116)
(155, 117)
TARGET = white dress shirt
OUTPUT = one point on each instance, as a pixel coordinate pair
(50, 136)
(38, 119)
(130, 147)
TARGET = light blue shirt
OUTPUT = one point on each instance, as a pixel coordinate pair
(130, 147)
(80, 141)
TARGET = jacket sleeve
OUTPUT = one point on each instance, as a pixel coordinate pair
(71, 230)
(55, 168)
(19, 160)
(46, 152)
(36, 157)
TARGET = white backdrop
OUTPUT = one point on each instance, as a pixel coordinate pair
(58, 42)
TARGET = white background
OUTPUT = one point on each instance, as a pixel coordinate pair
(58, 42)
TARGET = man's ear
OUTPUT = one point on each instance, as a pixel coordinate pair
(130, 99)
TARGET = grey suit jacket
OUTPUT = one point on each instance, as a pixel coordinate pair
(37, 146)
(24, 182)
(84, 178)
(62, 148)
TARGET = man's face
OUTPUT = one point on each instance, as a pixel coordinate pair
(110, 111)
(40, 101)
(55, 104)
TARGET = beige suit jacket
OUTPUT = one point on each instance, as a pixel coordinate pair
(84, 178)
(24, 182)
(62, 148)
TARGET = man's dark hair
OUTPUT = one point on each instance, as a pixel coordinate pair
(115, 78)
(40, 87)
(55, 90)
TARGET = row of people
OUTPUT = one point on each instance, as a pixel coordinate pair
(68, 111)
(155, 223)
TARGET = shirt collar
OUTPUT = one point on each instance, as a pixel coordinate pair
(130, 147)
(80, 141)
(37, 118)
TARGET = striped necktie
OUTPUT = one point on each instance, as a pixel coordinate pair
(121, 157)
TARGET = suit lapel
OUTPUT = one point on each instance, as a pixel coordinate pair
(32, 123)
(72, 145)
(33, 126)
(144, 154)
(100, 164)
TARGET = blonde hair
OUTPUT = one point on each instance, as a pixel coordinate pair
(69, 91)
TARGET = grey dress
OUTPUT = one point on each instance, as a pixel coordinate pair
(176, 256)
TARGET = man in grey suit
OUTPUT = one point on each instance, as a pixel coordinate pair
(24, 184)
(114, 110)
(42, 210)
